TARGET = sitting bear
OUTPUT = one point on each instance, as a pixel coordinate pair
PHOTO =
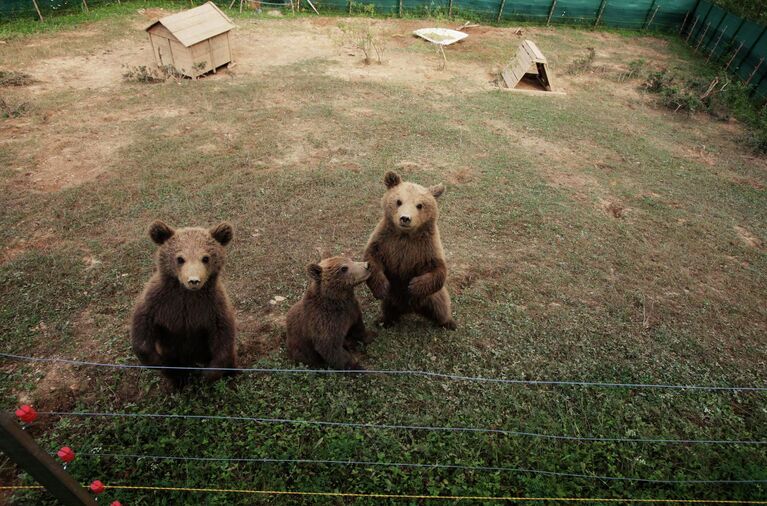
(405, 254)
(328, 317)
(183, 318)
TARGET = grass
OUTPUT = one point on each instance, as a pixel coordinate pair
(547, 282)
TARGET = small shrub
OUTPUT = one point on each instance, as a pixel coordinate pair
(363, 37)
(582, 64)
(150, 75)
(11, 78)
(11, 110)
(634, 71)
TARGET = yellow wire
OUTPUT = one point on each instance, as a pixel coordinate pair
(404, 496)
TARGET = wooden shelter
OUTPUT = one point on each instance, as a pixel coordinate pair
(528, 63)
(194, 42)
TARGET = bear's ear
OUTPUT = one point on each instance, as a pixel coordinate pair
(315, 272)
(160, 232)
(392, 179)
(437, 190)
(222, 233)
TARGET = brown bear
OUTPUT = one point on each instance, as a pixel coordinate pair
(183, 318)
(328, 320)
(405, 254)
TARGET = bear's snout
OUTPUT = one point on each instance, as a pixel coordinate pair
(404, 220)
(194, 281)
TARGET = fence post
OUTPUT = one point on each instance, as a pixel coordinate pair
(551, 12)
(500, 11)
(400, 8)
(450, 9)
(22, 449)
(753, 72)
(34, 2)
(716, 43)
(702, 36)
(751, 48)
(692, 29)
(650, 14)
(601, 11)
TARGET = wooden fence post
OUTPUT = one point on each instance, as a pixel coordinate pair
(650, 14)
(34, 2)
(85, 7)
(22, 449)
(601, 11)
(753, 72)
(716, 43)
(400, 8)
(551, 12)
(702, 36)
(692, 29)
(684, 23)
(450, 9)
(500, 11)
(729, 62)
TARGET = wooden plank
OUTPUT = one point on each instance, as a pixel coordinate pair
(161, 31)
(536, 53)
(19, 446)
(500, 10)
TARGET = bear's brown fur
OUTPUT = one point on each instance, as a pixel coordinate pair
(328, 317)
(184, 318)
(407, 263)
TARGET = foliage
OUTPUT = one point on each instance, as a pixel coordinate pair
(714, 93)
(151, 74)
(13, 109)
(364, 36)
(755, 10)
(12, 78)
(582, 64)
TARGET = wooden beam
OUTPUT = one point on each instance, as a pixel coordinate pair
(601, 11)
(500, 10)
(450, 8)
(19, 446)
(34, 2)
(85, 6)
(551, 12)
(313, 7)
(400, 8)
(684, 23)
(654, 12)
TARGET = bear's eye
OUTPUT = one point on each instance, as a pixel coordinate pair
(205, 259)
(180, 260)
(419, 206)
(344, 268)
(399, 202)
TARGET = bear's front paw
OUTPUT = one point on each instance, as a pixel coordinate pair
(370, 335)
(420, 287)
(380, 288)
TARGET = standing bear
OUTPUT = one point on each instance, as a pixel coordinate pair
(407, 263)
(183, 318)
(328, 320)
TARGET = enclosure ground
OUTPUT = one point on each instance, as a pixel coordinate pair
(588, 236)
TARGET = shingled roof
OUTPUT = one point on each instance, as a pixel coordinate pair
(195, 25)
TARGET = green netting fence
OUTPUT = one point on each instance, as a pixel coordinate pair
(738, 44)
(720, 36)
(654, 14)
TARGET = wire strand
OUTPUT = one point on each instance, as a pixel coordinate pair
(390, 372)
(432, 428)
(461, 467)
(406, 496)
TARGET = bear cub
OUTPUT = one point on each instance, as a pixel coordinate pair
(184, 318)
(327, 321)
(407, 263)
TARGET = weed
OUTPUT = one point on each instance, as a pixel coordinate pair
(149, 75)
(13, 110)
(634, 70)
(12, 78)
(364, 37)
(582, 64)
